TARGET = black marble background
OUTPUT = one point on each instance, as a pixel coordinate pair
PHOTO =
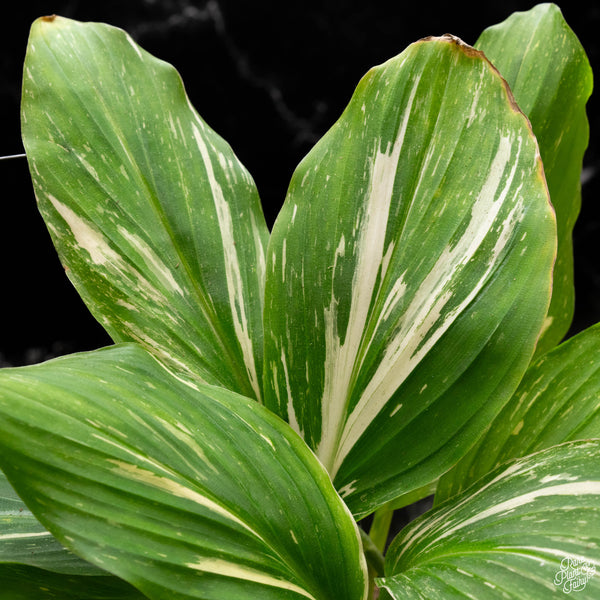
(271, 78)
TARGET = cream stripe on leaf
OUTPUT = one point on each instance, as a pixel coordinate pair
(157, 223)
(33, 564)
(413, 257)
(558, 400)
(182, 489)
(24, 540)
(527, 530)
(552, 92)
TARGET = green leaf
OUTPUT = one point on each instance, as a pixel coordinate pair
(155, 220)
(549, 74)
(34, 565)
(413, 257)
(24, 540)
(557, 401)
(527, 531)
(18, 582)
(182, 489)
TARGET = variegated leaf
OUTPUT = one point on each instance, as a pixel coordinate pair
(408, 273)
(19, 582)
(558, 400)
(155, 220)
(186, 491)
(33, 564)
(24, 540)
(551, 78)
(527, 531)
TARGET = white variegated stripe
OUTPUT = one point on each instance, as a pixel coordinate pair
(89, 168)
(439, 522)
(233, 274)
(193, 451)
(578, 488)
(340, 359)
(96, 245)
(161, 351)
(137, 49)
(101, 254)
(261, 258)
(534, 553)
(129, 174)
(86, 237)
(436, 528)
(292, 420)
(153, 262)
(224, 568)
(18, 536)
(166, 484)
(421, 320)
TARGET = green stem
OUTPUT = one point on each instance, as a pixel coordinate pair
(372, 554)
(380, 529)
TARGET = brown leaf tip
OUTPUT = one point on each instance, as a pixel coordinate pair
(49, 18)
(448, 37)
(453, 39)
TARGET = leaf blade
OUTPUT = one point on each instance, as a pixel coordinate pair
(509, 533)
(551, 78)
(556, 402)
(23, 583)
(397, 261)
(184, 490)
(147, 206)
(24, 540)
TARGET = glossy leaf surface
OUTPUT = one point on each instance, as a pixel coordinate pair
(185, 491)
(157, 223)
(413, 257)
(549, 73)
(35, 565)
(24, 540)
(528, 531)
(18, 582)
(557, 401)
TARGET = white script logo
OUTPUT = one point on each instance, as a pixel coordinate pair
(574, 574)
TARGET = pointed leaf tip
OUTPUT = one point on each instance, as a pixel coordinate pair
(429, 228)
(549, 73)
(147, 206)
